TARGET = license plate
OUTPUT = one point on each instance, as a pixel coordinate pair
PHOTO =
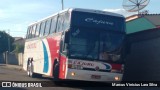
(95, 76)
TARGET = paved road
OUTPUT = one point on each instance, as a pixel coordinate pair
(11, 74)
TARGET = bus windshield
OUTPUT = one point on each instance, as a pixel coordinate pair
(99, 21)
(87, 43)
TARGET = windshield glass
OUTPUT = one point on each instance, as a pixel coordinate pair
(100, 21)
(87, 43)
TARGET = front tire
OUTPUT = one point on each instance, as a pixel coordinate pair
(56, 79)
(56, 72)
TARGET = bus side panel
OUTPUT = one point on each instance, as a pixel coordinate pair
(38, 57)
(53, 52)
(47, 57)
(25, 58)
(34, 49)
(62, 70)
(53, 43)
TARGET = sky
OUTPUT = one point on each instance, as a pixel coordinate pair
(16, 15)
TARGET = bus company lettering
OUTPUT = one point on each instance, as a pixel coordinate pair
(92, 20)
(32, 45)
(83, 63)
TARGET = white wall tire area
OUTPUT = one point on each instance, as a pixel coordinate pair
(30, 69)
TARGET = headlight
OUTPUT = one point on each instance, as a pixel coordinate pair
(73, 74)
(117, 78)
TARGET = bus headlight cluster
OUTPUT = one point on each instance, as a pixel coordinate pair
(117, 78)
(75, 66)
(73, 74)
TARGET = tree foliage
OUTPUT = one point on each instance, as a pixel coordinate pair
(18, 48)
(5, 40)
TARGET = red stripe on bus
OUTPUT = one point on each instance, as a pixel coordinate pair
(53, 51)
(116, 66)
(62, 67)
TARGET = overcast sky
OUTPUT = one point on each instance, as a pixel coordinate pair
(16, 15)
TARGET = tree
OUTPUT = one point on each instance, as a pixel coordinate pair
(18, 48)
(5, 40)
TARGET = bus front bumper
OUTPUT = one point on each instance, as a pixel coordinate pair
(85, 75)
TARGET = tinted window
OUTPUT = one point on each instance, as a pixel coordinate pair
(30, 32)
(48, 24)
(42, 28)
(53, 25)
(60, 23)
(100, 21)
(66, 22)
(33, 31)
(63, 22)
(37, 30)
(91, 42)
(27, 36)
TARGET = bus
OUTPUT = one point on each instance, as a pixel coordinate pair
(76, 44)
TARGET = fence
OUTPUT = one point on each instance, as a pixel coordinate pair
(11, 58)
(143, 61)
(2, 58)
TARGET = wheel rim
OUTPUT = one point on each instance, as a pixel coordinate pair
(29, 71)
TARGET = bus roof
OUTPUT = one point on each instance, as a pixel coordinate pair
(81, 10)
(97, 12)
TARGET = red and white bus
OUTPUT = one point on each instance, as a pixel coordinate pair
(76, 44)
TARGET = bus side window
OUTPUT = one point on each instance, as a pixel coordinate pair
(37, 30)
(42, 28)
(63, 22)
(33, 30)
(30, 32)
(27, 36)
(60, 23)
(48, 24)
(66, 21)
(53, 24)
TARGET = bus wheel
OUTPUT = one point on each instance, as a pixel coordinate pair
(56, 79)
(30, 72)
(30, 69)
(56, 72)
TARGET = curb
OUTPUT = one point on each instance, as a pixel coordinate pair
(16, 67)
